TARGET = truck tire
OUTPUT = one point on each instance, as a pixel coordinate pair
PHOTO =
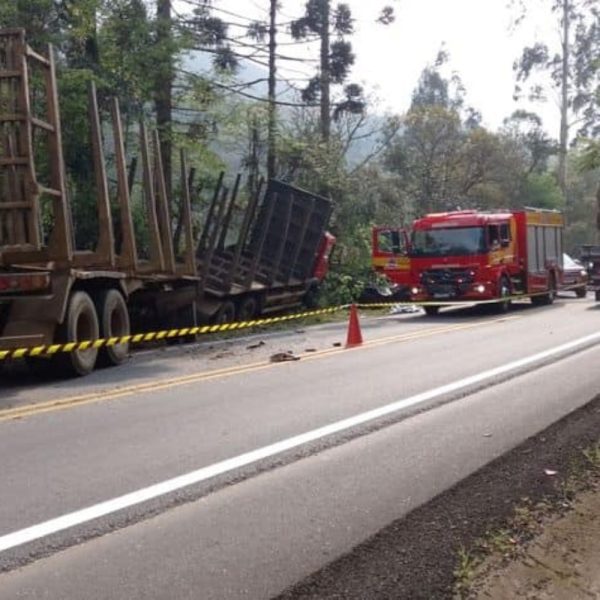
(581, 292)
(597, 295)
(247, 308)
(114, 322)
(225, 314)
(431, 311)
(546, 299)
(311, 297)
(80, 324)
(503, 291)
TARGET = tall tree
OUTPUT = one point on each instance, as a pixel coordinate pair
(336, 57)
(573, 70)
(163, 91)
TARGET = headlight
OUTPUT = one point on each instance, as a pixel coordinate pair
(583, 272)
(480, 288)
(415, 291)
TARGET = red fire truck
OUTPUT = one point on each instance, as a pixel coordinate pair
(470, 255)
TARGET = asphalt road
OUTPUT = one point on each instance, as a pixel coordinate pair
(280, 468)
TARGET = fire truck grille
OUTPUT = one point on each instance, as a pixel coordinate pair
(447, 283)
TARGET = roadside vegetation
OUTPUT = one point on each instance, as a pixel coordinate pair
(510, 543)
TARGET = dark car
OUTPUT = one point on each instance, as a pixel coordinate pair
(575, 276)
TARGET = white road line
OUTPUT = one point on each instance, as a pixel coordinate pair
(41, 530)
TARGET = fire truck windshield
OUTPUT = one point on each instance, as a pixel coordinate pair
(452, 241)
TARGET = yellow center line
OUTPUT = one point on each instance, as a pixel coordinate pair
(20, 412)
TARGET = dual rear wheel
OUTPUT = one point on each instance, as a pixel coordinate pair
(86, 319)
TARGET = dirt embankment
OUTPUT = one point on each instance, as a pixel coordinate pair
(561, 563)
(458, 544)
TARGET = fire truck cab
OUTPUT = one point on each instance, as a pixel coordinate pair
(471, 255)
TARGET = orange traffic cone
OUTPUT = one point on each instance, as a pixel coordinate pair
(354, 334)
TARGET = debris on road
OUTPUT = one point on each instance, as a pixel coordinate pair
(401, 309)
(255, 346)
(550, 472)
(283, 357)
(337, 344)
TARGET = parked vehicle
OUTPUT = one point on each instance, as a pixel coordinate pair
(590, 258)
(52, 292)
(575, 277)
(470, 255)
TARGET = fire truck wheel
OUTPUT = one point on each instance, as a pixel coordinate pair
(431, 310)
(114, 322)
(80, 324)
(581, 292)
(247, 308)
(225, 314)
(503, 292)
(597, 295)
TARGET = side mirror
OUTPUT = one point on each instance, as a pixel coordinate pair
(505, 243)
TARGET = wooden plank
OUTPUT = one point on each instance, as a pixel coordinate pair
(128, 257)
(212, 239)
(238, 257)
(263, 235)
(210, 216)
(229, 215)
(43, 124)
(38, 57)
(186, 209)
(156, 253)
(163, 210)
(105, 249)
(60, 246)
(25, 145)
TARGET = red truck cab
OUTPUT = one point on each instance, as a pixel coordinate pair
(471, 255)
(389, 255)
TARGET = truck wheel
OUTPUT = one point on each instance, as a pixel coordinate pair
(431, 310)
(504, 292)
(114, 322)
(247, 308)
(581, 292)
(80, 324)
(546, 299)
(311, 297)
(597, 295)
(225, 314)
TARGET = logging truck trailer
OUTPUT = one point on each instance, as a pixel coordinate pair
(188, 273)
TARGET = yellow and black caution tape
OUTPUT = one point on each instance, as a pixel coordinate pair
(169, 334)
(155, 336)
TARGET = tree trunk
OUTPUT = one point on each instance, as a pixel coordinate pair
(325, 75)
(272, 142)
(164, 89)
(564, 102)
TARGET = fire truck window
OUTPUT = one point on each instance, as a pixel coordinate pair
(494, 236)
(505, 233)
(390, 242)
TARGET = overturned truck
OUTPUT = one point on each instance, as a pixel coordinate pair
(235, 261)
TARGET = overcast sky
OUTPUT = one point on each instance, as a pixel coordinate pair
(476, 33)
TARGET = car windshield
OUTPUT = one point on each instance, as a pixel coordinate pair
(454, 241)
(569, 263)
